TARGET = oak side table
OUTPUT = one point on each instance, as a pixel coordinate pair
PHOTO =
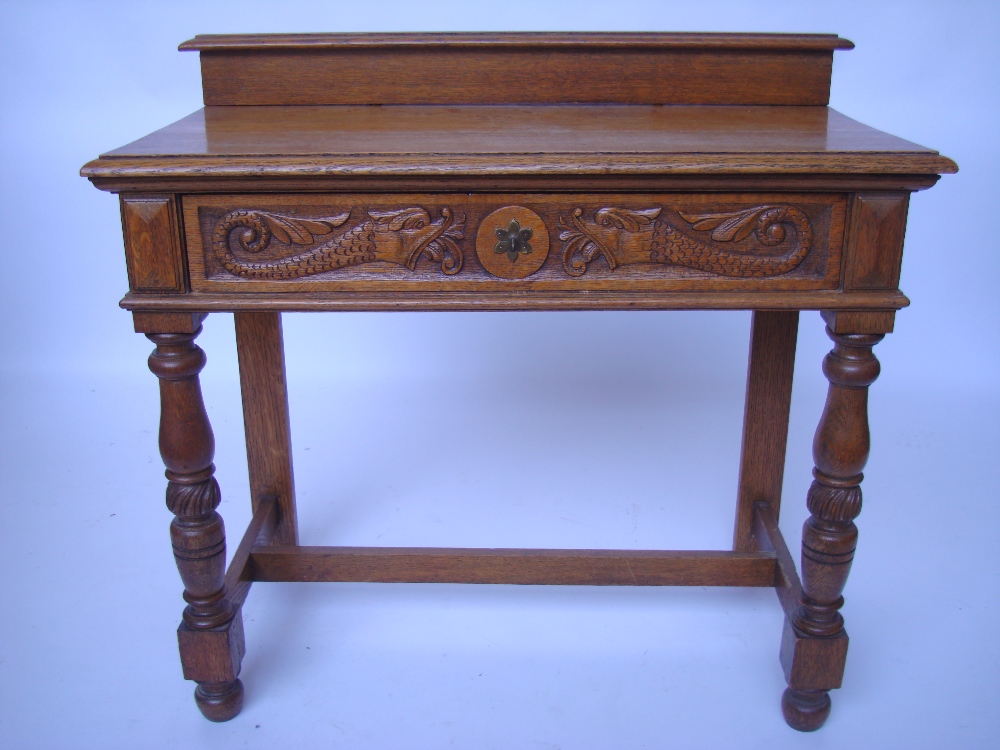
(516, 172)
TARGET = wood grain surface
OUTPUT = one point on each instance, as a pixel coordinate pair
(768, 538)
(765, 419)
(263, 385)
(501, 68)
(374, 301)
(153, 243)
(875, 249)
(259, 533)
(543, 142)
(513, 566)
(596, 40)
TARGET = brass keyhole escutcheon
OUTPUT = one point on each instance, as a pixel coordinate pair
(512, 242)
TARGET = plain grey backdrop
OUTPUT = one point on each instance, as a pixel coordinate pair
(575, 430)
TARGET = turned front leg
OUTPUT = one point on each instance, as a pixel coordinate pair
(211, 636)
(829, 536)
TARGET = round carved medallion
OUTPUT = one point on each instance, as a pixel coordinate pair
(512, 242)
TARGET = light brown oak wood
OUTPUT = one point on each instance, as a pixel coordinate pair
(810, 664)
(259, 533)
(153, 250)
(512, 40)
(613, 242)
(630, 299)
(555, 142)
(878, 222)
(513, 566)
(654, 171)
(767, 538)
(261, 352)
(211, 634)
(528, 67)
(765, 419)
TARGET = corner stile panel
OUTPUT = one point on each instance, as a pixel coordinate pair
(875, 240)
(566, 242)
(153, 243)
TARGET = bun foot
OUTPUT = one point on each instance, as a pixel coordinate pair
(805, 710)
(219, 701)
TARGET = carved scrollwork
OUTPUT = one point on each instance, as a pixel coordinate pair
(768, 225)
(398, 236)
(624, 236)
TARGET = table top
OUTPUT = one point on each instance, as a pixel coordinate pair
(529, 138)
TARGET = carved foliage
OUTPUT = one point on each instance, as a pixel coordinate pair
(613, 233)
(624, 236)
(834, 504)
(398, 236)
(193, 499)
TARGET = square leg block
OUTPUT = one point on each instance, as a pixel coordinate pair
(812, 663)
(212, 655)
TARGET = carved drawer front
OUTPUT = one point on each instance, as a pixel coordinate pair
(260, 243)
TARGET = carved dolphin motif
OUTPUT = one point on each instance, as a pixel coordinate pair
(396, 236)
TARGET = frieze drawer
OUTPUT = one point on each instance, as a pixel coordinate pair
(462, 242)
